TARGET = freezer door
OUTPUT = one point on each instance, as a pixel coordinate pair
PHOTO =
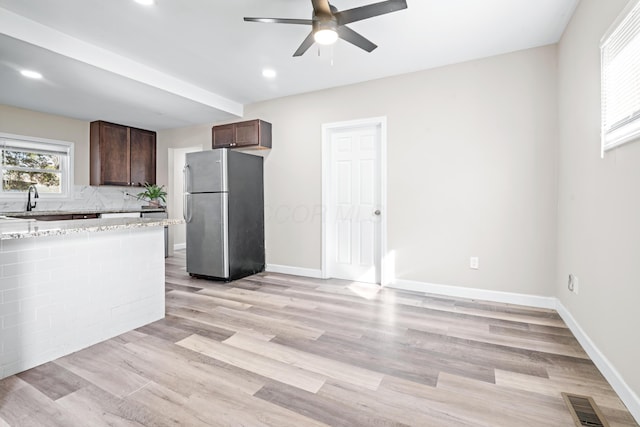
(207, 235)
(206, 171)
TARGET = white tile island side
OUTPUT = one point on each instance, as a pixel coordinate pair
(66, 285)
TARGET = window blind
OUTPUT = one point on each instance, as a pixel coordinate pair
(33, 146)
(620, 52)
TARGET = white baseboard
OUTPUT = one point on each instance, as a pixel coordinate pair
(179, 246)
(295, 271)
(628, 396)
(472, 293)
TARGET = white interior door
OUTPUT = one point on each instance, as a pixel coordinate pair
(354, 210)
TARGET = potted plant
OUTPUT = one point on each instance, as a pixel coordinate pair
(154, 194)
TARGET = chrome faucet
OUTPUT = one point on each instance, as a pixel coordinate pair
(31, 205)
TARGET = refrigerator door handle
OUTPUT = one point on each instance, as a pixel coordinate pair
(185, 199)
(186, 210)
(186, 177)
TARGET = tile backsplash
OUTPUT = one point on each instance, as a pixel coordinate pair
(85, 197)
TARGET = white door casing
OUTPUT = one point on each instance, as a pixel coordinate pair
(354, 200)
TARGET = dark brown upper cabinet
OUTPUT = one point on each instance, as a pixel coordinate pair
(143, 156)
(121, 155)
(252, 133)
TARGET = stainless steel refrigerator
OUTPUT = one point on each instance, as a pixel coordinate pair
(224, 212)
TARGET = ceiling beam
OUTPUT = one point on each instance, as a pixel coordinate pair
(21, 28)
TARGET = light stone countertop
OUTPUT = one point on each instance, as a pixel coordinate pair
(25, 228)
(79, 212)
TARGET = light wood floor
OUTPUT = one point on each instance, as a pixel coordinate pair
(277, 350)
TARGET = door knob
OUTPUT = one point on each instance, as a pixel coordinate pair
(376, 212)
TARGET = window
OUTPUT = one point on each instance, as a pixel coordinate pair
(620, 50)
(26, 161)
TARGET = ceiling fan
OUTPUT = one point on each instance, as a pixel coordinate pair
(329, 24)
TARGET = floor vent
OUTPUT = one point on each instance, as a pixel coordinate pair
(584, 411)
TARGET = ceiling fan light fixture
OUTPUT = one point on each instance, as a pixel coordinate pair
(326, 36)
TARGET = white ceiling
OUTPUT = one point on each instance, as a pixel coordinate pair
(184, 62)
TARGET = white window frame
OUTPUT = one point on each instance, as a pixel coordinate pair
(44, 144)
(624, 31)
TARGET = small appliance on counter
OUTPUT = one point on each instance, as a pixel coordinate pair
(224, 213)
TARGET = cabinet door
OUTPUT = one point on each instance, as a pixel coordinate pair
(143, 157)
(246, 133)
(222, 136)
(114, 154)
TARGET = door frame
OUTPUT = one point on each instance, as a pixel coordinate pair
(328, 129)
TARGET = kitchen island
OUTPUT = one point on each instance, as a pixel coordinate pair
(66, 285)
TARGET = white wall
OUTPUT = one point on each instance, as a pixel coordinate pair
(471, 170)
(32, 123)
(192, 136)
(599, 201)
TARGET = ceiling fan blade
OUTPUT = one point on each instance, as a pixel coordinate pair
(369, 11)
(280, 21)
(306, 44)
(321, 8)
(347, 34)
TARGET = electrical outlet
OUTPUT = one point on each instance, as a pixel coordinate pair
(474, 263)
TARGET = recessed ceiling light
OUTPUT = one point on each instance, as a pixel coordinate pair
(31, 74)
(269, 73)
(146, 2)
